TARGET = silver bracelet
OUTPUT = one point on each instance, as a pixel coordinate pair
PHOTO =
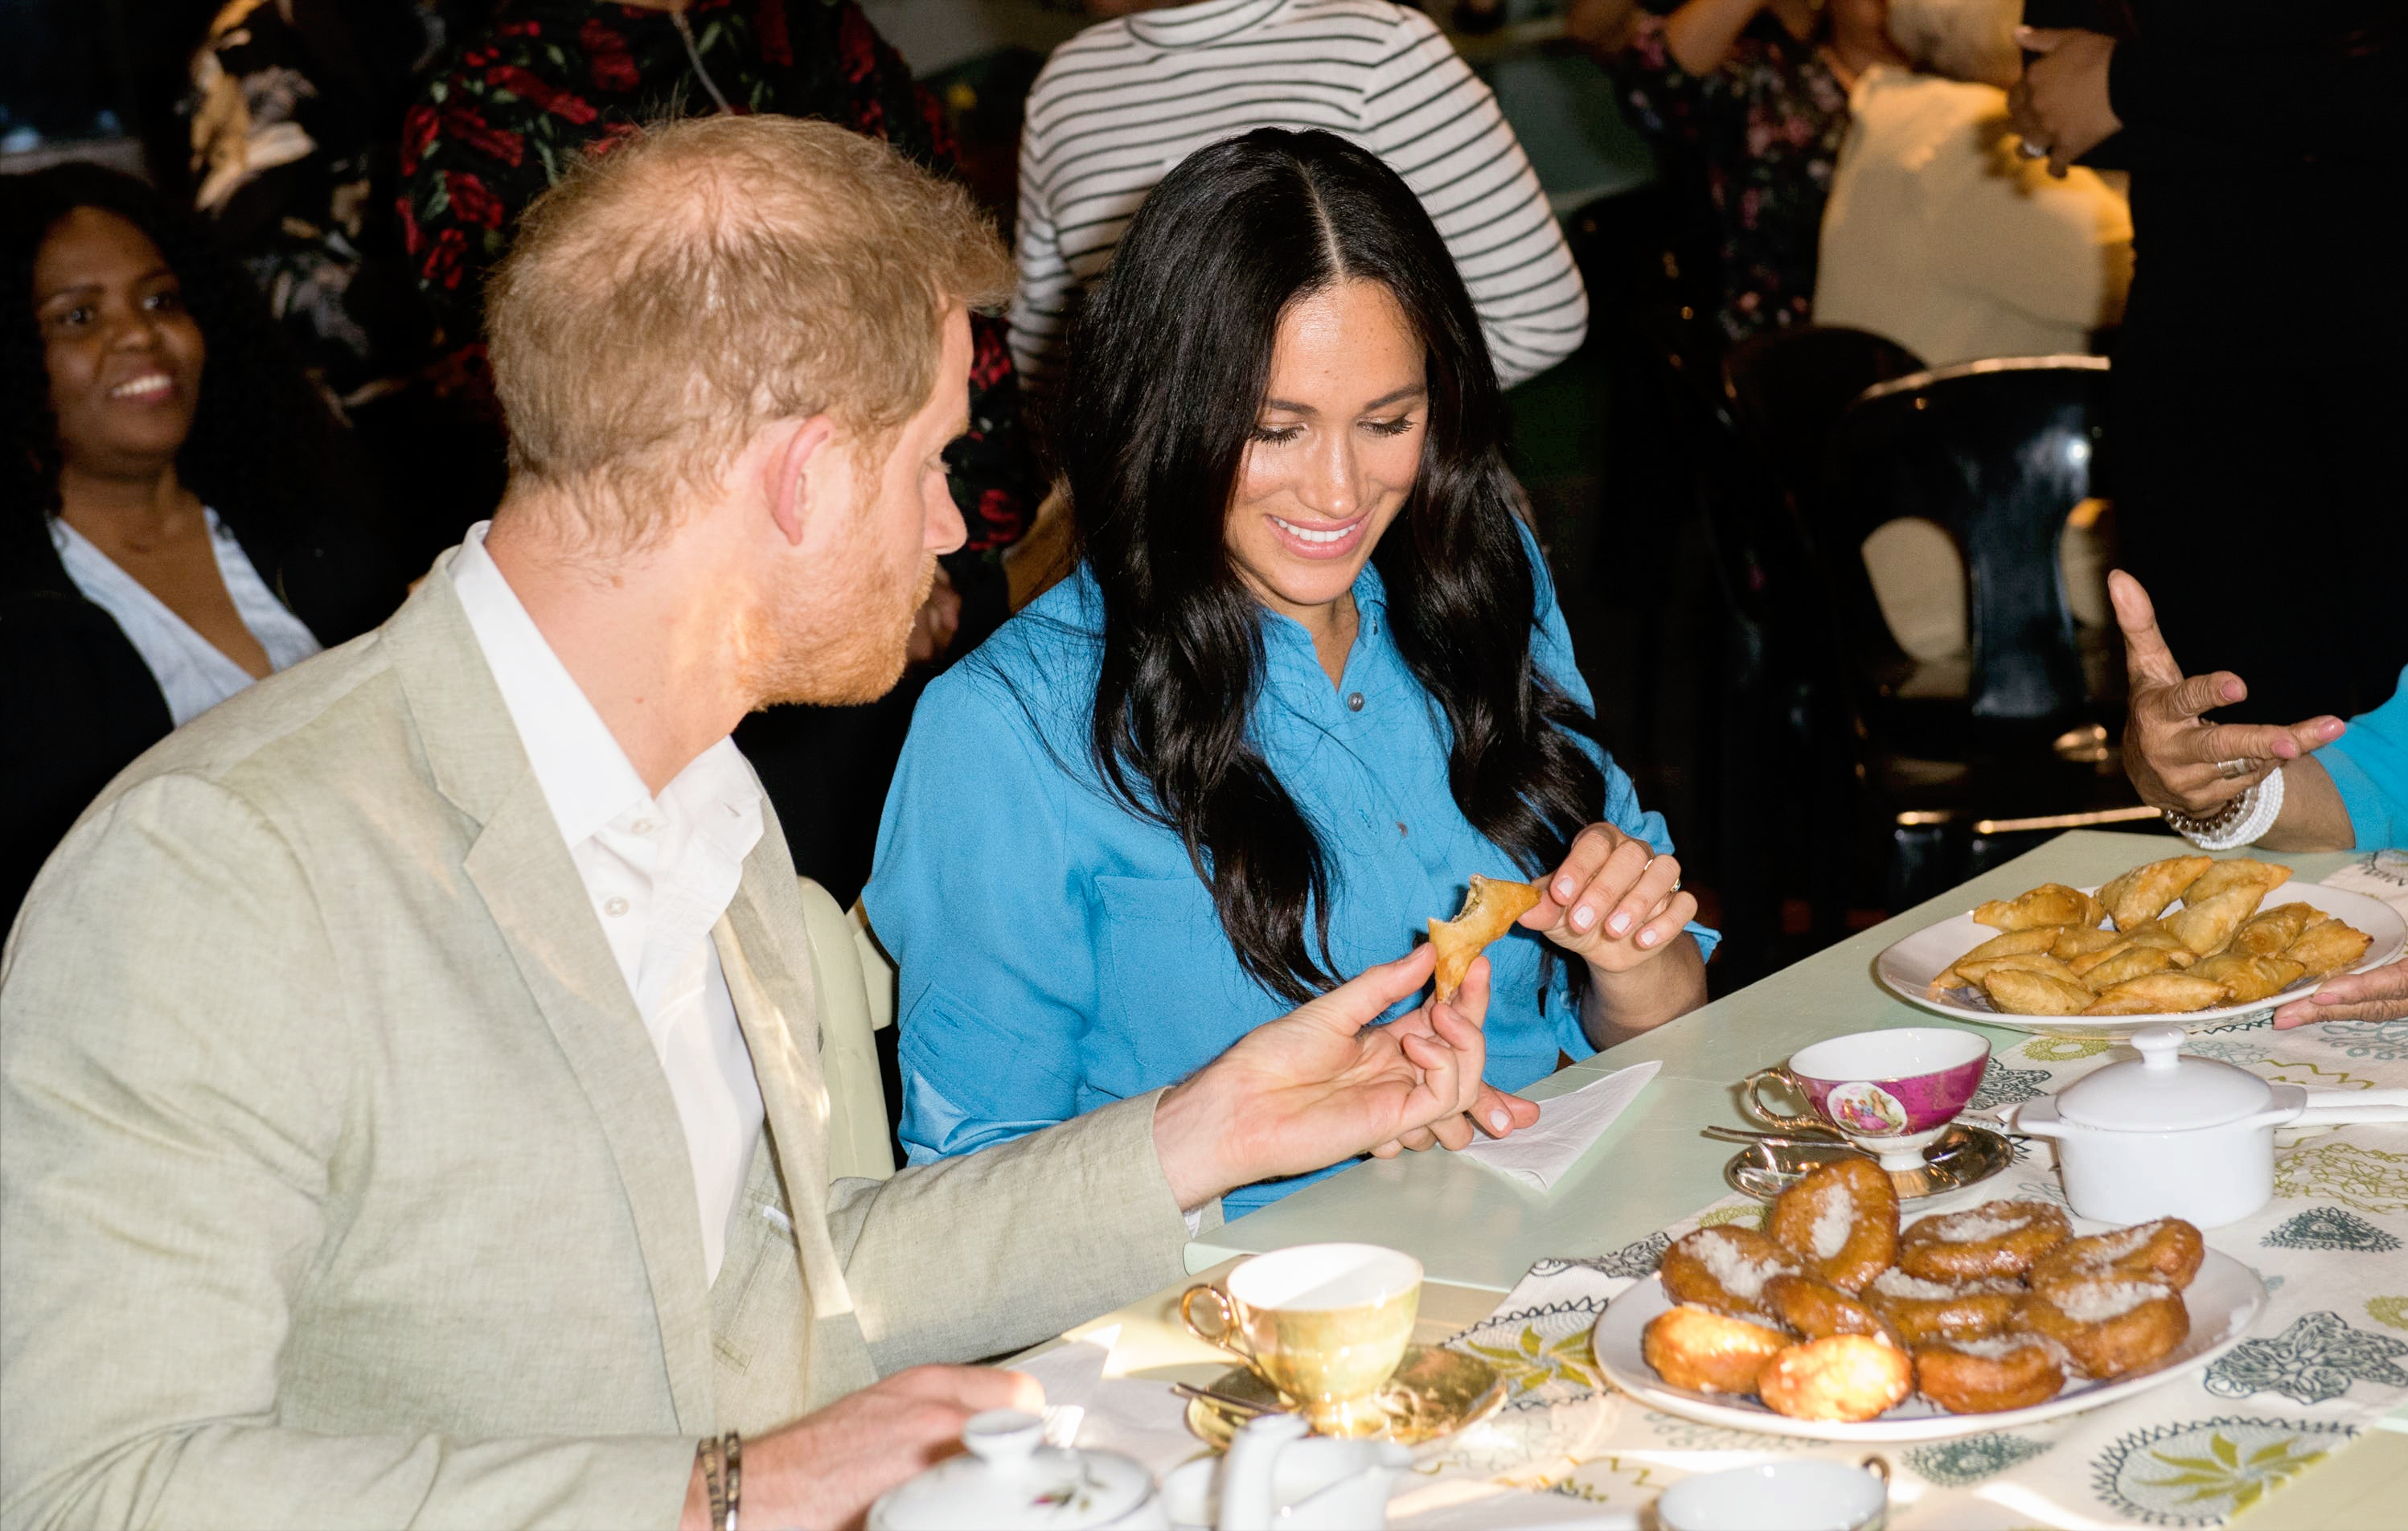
(2241, 823)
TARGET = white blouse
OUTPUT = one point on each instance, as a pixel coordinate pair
(192, 673)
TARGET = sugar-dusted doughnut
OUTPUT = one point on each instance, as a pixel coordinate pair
(2168, 1251)
(1841, 1219)
(1996, 1238)
(1926, 1311)
(2109, 1325)
(1987, 1375)
(1840, 1377)
(1814, 1307)
(1711, 1352)
(1725, 1269)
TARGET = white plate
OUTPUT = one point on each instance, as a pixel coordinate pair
(2224, 1300)
(1907, 969)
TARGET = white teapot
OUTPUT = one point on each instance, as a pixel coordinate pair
(1276, 1477)
(1009, 1479)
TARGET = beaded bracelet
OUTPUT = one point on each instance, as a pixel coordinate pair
(723, 1477)
(2240, 822)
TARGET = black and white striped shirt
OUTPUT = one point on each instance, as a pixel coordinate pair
(1120, 103)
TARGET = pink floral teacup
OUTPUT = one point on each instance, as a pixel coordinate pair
(1889, 1092)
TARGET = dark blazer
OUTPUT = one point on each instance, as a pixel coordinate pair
(76, 702)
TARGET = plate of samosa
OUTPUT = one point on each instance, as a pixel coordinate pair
(2192, 940)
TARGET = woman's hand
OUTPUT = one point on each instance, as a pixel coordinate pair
(1613, 903)
(2379, 993)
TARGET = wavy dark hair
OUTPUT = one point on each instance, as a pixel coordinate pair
(1169, 361)
(262, 451)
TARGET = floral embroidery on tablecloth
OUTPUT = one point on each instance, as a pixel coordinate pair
(2283, 1071)
(2377, 1041)
(2232, 1049)
(2392, 1311)
(2331, 1228)
(2065, 1049)
(1968, 1459)
(2004, 1086)
(2205, 1473)
(2319, 1357)
(1681, 1435)
(1634, 1261)
(1751, 1216)
(2367, 1179)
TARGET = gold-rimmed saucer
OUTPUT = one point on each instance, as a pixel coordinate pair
(1435, 1392)
(1963, 1155)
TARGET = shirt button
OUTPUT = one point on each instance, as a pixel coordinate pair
(1400, 829)
(643, 826)
(1353, 701)
(614, 905)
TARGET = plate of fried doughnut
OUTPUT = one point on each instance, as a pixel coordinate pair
(1833, 1324)
(2190, 940)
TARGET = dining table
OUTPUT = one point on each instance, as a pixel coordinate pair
(1478, 1234)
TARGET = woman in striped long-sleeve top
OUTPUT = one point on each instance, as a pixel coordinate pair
(1122, 102)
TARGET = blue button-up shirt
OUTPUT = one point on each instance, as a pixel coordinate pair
(1058, 952)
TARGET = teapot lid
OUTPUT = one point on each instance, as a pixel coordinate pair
(1008, 1479)
(2163, 1090)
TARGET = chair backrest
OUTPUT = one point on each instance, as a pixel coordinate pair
(1788, 388)
(1996, 454)
(856, 997)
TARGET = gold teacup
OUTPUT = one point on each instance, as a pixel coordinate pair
(1324, 1323)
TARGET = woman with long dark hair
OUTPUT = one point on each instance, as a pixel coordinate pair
(170, 526)
(1308, 678)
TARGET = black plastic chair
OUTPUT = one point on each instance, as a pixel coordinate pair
(1788, 388)
(1963, 767)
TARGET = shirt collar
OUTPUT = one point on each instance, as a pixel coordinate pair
(585, 777)
(1198, 22)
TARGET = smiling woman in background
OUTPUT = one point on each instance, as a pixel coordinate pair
(1309, 677)
(164, 541)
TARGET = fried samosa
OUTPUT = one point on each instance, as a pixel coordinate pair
(2328, 947)
(2013, 943)
(2156, 933)
(2022, 962)
(1489, 910)
(2224, 875)
(2019, 992)
(2206, 928)
(2082, 940)
(2248, 978)
(2266, 933)
(2132, 963)
(2141, 895)
(2050, 904)
(2159, 993)
(2080, 967)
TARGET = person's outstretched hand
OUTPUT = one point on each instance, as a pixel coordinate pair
(2060, 107)
(1497, 1112)
(2379, 993)
(1322, 1083)
(2177, 760)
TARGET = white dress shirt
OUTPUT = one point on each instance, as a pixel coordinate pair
(193, 674)
(659, 872)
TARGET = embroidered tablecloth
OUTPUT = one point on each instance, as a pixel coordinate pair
(2328, 1355)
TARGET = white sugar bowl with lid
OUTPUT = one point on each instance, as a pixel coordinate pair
(2169, 1134)
(1008, 1479)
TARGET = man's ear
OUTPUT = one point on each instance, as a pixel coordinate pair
(804, 472)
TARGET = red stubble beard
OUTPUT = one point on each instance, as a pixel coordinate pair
(839, 642)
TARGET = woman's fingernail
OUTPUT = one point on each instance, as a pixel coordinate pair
(1646, 938)
(1499, 1123)
(1563, 887)
(1584, 917)
(1618, 924)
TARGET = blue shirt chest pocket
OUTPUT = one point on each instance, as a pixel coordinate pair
(1170, 995)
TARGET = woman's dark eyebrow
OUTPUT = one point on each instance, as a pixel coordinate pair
(1399, 396)
(74, 289)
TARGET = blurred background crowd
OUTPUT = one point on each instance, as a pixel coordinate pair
(1849, 343)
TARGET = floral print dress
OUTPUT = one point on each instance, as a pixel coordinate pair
(550, 79)
(1765, 129)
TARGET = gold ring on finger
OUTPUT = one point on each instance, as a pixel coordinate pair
(2232, 771)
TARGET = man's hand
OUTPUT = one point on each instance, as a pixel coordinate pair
(2060, 107)
(826, 1470)
(1497, 1112)
(940, 618)
(2379, 993)
(1613, 903)
(2177, 760)
(1322, 1083)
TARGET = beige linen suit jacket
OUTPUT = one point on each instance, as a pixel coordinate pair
(340, 1184)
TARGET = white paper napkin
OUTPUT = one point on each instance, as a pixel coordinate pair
(1539, 1155)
